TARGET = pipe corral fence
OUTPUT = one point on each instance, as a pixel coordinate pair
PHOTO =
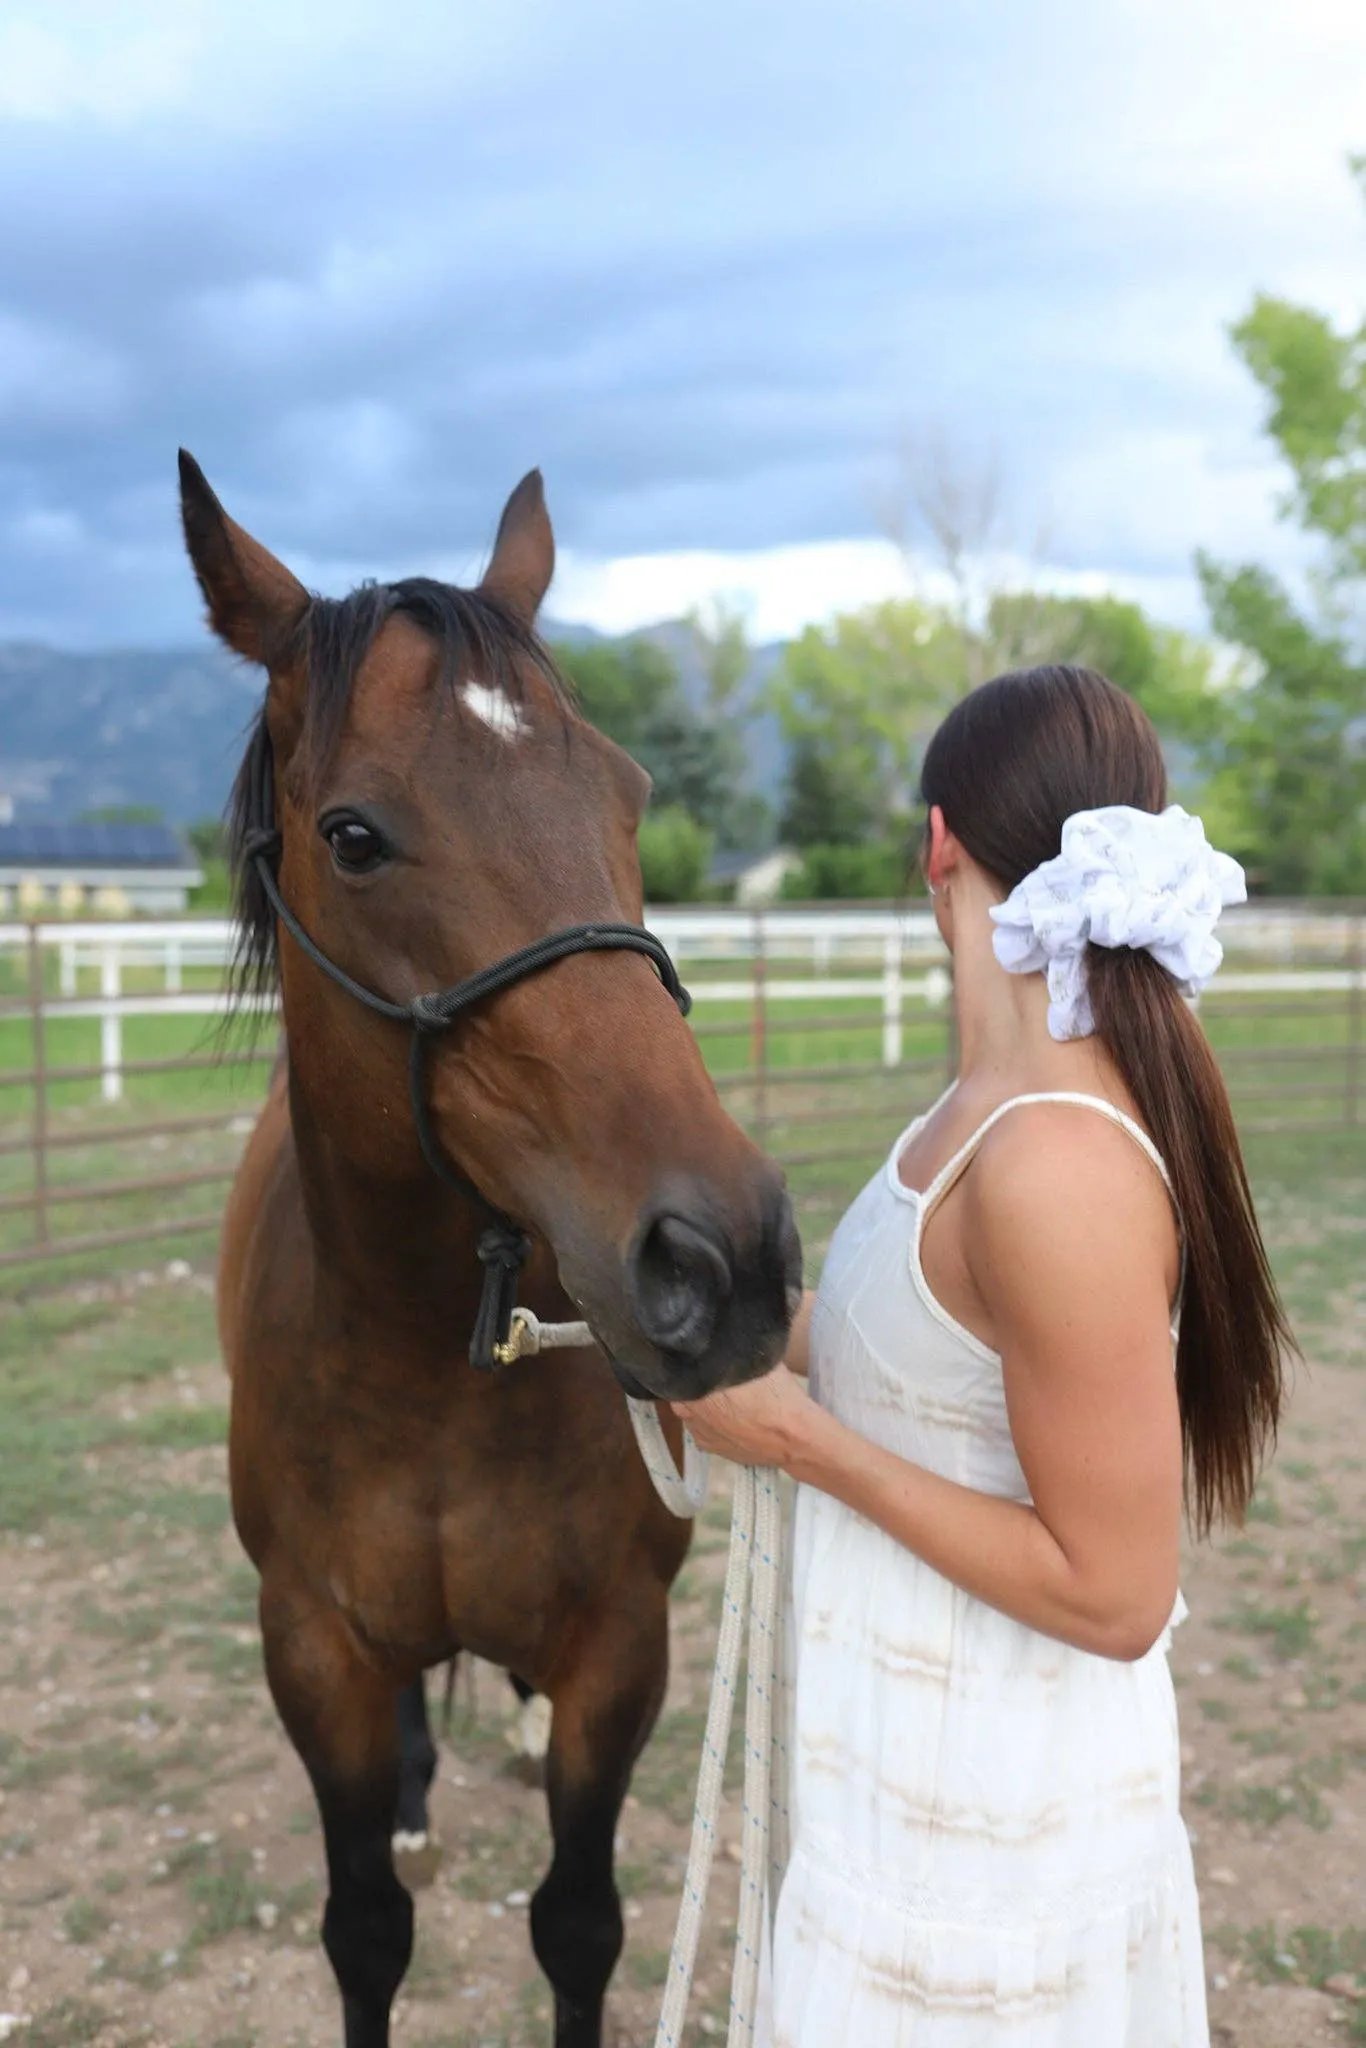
(126, 1091)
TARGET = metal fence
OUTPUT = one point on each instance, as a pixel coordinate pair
(825, 1029)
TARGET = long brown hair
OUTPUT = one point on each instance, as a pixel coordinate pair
(1007, 767)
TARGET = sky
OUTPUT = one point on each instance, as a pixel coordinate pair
(714, 267)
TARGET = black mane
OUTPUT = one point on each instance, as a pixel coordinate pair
(474, 632)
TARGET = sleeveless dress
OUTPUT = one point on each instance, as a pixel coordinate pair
(987, 1847)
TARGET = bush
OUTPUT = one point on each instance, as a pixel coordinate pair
(214, 893)
(675, 854)
(870, 871)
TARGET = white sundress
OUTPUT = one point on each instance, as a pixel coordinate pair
(987, 1847)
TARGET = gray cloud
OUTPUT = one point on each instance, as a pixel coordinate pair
(702, 265)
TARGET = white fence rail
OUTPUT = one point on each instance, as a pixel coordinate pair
(902, 945)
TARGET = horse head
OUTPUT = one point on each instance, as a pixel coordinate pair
(436, 803)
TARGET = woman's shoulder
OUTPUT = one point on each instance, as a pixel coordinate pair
(1065, 1162)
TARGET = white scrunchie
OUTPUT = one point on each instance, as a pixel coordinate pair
(1145, 879)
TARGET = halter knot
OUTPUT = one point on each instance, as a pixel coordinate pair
(505, 1246)
(428, 1015)
(263, 844)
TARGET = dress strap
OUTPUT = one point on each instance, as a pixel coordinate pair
(948, 1174)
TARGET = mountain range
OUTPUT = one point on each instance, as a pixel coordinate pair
(164, 727)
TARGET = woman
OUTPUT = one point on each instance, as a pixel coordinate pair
(987, 1843)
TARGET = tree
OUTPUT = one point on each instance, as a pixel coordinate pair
(675, 854)
(1289, 758)
(123, 814)
(620, 684)
(630, 689)
(954, 498)
(1172, 676)
(721, 631)
(864, 873)
(1286, 766)
(829, 801)
(692, 766)
(857, 701)
(209, 838)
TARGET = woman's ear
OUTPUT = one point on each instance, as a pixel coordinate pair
(941, 850)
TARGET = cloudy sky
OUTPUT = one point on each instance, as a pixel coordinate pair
(708, 264)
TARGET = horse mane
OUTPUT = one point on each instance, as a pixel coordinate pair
(473, 631)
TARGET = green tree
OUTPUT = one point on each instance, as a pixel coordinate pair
(1171, 675)
(675, 854)
(1287, 769)
(209, 842)
(1289, 756)
(857, 702)
(620, 684)
(828, 799)
(867, 873)
(209, 839)
(721, 633)
(630, 689)
(123, 814)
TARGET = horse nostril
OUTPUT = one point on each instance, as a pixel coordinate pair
(680, 1281)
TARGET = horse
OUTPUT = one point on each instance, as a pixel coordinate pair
(421, 808)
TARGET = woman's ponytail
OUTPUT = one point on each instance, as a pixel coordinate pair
(1234, 1334)
(1010, 764)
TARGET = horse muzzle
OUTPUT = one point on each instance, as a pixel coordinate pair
(709, 1307)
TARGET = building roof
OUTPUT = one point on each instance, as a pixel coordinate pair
(93, 846)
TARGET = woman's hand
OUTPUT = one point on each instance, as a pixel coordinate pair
(761, 1423)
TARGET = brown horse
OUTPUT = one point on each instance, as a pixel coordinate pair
(429, 800)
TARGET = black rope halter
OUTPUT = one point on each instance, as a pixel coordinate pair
(503, 1245)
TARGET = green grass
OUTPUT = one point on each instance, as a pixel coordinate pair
(62, 1361)
(84, 1920)
(1307, 1955)
(1290, 1631)
(68, 2024)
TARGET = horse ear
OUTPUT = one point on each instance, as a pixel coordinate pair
(254, 602)
(524, 552)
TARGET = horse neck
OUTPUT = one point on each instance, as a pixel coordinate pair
(390, 1252)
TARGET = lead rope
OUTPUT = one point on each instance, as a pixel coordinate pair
(753, 1577)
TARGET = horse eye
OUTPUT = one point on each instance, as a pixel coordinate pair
(355, 846)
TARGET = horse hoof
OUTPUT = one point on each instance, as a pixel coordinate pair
(417, 1858)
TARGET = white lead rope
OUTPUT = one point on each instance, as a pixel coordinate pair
(753, 1577)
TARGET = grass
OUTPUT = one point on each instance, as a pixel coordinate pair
(84, 1920)
(62, 1361)
(1305, 1955)
(68, 2024)
(1290, 1631)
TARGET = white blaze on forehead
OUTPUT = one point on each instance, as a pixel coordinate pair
(495, 709)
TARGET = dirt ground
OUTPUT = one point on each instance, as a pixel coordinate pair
(159, 1860)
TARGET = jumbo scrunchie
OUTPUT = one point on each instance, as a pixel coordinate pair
(1145, 879)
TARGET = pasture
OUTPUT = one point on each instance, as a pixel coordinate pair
(160, 1868)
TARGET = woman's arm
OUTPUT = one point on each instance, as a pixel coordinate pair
(1071, 1241)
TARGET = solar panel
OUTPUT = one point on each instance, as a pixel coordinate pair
(107, 845)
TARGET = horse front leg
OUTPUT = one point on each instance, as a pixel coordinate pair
(342, 1717)
(603, 1711)
(417, 1854)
